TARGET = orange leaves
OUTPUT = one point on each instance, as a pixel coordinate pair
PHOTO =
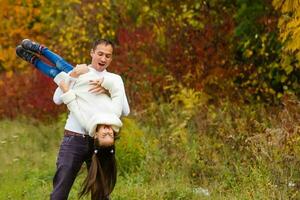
(19, 19)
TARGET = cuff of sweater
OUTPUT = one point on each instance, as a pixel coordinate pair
(107, 83)
(68, 97)
(62, 76)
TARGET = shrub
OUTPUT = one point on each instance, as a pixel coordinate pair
(27, 93)
(130, 148)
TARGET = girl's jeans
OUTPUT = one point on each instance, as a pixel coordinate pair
(60, 64)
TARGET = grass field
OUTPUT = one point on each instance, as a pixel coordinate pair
(148, 167)
(28, 154)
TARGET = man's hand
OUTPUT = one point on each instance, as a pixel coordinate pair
(78, 70)
(97, 88)
(64, 86)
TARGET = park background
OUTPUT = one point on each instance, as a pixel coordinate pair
(213, 87)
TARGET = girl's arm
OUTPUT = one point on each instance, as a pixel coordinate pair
(69, 98)
(77, 71)
(56, 97)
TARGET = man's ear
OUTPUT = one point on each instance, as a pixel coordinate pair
(92, 52)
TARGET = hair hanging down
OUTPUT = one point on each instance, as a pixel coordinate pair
(102, 175)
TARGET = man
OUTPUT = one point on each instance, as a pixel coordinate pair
(76, 147)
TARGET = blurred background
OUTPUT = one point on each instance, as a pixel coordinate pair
(213, 87)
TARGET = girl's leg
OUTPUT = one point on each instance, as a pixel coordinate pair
(46, 69)
(40, 65)
(59, 62)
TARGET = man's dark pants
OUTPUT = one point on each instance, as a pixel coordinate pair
(74, 150)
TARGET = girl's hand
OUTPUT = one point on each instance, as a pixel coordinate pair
(78, 70)
(64, 86)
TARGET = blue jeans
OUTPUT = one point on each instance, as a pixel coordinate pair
(60, 64)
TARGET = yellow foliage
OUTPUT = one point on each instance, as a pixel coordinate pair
(72, 23)
(76, 25)
(298, 55)
(19, 19)
(289, 23)
(130, 147)
(184, 105)
(286, 5)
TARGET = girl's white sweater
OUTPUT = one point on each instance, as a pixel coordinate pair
(92, 109)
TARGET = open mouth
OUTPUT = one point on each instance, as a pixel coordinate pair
(101, 64)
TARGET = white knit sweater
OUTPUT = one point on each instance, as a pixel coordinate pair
(92, 109)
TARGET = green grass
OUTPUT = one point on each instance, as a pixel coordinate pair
(27, 152)
(150, 166)
(28, 155)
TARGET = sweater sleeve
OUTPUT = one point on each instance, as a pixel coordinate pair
(57, 96)
(62, 76)
(125, 108)
(115, 86)
(69, 98)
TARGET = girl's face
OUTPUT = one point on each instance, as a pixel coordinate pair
(105, 135)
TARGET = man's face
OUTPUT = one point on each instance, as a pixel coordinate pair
(105, 135)
(101, 57)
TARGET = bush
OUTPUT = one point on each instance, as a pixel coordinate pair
(130, 148)
(28, 93)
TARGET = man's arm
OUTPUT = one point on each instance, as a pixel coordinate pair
(125, 108)
(115, 86)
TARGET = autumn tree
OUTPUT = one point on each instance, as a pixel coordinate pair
(265, 73)
(289, 24)
(19, 19)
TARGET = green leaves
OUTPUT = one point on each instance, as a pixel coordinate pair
(267, 68)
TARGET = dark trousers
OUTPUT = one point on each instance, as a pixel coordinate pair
(74, 150)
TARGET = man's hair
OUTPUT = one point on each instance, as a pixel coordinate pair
(102, 41)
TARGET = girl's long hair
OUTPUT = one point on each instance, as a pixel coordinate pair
(102, 174)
